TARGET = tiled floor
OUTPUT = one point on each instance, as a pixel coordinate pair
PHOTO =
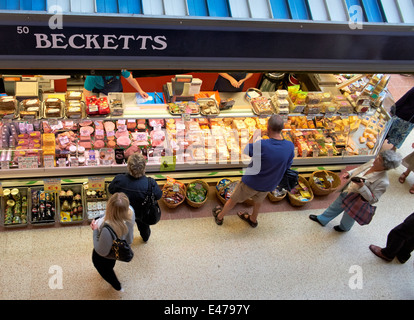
(286, 257)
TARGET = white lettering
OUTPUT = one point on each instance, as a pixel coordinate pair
(126, 41)
(72, 41)
(161, 40)
(108, 40)
(92, 38)
(144, 41)
(56, 40)
(42, 41)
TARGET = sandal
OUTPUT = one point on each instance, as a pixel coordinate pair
(402, 177)
(246, 217)
(216, 210)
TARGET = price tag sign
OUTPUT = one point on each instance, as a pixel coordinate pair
(186, 116)
(168, 163)
(48, 161)
(52, 185)
(96, 183)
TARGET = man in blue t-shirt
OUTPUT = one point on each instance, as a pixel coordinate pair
(105, 84)
(270, 160)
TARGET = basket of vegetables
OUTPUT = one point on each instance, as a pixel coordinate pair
(173, 193)
(196, 193)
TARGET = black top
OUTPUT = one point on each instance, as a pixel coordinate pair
(135, 189)
(224, 85)
(404, 107)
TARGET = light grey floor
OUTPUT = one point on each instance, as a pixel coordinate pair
(286, 257)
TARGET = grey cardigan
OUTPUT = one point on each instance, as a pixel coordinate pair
(102, 237)
(374, 186)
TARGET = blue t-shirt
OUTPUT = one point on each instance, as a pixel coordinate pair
(97, 82)
(270, 159)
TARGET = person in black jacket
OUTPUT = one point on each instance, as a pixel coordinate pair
(400, 242)
(402, 121)
(135, 185)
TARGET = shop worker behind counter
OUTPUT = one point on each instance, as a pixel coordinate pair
(272, 157)
(106, 84)
(135, 185)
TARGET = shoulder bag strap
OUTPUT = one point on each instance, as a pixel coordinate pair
(111, 230)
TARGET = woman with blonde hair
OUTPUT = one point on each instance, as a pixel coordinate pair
(135, 184)
(119, 216)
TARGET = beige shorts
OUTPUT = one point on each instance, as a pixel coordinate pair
(242, 192)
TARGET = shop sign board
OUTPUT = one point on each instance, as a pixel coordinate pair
(205, 42)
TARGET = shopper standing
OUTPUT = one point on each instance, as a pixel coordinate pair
(408, 162)
(375, 183)
(400, 242)
(270, 160)
(402, 121)
(135, 185)
(120, 216)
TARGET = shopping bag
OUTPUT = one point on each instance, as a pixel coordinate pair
(358, 208)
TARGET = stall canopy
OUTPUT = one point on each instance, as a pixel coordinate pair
(91, 36)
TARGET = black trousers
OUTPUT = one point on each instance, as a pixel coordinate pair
(144, 229)
(400, 241)
(105, 268)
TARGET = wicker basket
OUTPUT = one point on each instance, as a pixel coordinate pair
(182, 190)
(273, 198)
(329, 186)
(295, 201)
(222, 200)
(197, 204)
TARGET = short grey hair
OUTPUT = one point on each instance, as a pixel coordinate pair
(136, 165)
(390, 159)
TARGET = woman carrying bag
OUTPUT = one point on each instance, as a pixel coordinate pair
(119, 220)
(136, 185)
(368, 182)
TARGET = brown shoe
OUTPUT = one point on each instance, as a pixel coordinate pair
(378, 252)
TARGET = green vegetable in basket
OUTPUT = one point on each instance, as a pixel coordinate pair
(196, 192)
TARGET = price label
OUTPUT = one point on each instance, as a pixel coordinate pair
(62, 162)
(96, 183)
(168, 163)
(52, 185)
(48, 161)
(186, 116)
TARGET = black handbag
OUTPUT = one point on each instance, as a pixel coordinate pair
(289, 180)
(120, 249)
(151, 212)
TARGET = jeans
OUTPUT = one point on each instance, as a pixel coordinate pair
(105, 268)
(334, 210)
(400, 241)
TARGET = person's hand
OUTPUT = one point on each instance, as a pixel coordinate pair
(234, 83)
(345, 175)
(144, 94)
(94, 224)
(359, 184)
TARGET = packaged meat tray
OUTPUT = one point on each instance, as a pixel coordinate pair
(97, 106)
(53, 108)
(8, 107)
(261, 106)
(208, 107)
(30, 109)
(179, 108)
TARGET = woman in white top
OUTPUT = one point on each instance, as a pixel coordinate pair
(120, 216)
(375, 183)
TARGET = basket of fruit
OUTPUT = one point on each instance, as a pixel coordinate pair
(196, 193)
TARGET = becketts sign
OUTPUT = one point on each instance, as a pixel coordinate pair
(100, 42)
